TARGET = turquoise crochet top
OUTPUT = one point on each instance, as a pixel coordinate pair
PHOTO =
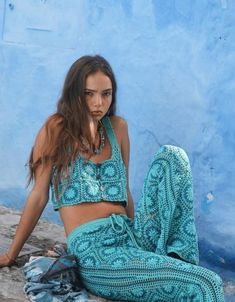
(91, 182)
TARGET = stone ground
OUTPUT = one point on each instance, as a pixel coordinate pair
(43, 238)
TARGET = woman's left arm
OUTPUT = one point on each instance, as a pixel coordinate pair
(125, 149)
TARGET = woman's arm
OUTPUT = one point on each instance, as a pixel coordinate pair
(130, 208)
(34, 205)
(125, 149)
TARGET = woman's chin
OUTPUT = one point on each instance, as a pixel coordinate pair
(97, 117)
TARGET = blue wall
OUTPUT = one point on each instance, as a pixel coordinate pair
(174, 62)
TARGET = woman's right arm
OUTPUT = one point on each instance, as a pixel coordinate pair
(34, 206)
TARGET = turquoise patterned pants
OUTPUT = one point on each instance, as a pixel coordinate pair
(138, 260)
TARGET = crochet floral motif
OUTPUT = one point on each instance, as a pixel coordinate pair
(128, 260)
(90, 182)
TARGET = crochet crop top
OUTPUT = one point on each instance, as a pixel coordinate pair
(91, 182)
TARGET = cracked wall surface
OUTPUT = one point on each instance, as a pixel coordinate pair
(174, 61)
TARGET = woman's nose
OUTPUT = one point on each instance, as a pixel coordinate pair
(98, 100)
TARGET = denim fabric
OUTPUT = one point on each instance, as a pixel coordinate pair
(50, 279)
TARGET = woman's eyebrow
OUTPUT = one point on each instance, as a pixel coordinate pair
(88, 89)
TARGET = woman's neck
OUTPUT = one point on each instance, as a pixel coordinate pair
(93, 128)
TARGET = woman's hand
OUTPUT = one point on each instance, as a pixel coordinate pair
(6, 261)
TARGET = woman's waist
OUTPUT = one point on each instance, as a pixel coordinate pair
(75, 215)
(105, 231)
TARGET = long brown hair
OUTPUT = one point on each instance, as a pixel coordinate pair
(69, 123)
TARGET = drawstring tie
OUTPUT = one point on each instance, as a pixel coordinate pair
(120, 225)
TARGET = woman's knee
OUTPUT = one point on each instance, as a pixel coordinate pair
(172, 153)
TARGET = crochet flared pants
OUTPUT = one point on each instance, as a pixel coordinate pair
(153, 257)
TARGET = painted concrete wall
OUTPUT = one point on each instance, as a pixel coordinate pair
(174, 61)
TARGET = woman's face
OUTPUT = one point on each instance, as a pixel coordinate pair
(98, 94)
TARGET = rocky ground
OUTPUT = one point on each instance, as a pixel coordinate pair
(43, 238)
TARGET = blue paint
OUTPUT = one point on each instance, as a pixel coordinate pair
(127, 7)
(205, 206)
(174, 62)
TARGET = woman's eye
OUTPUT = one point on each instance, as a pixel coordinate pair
(107, 93)
(88, 93)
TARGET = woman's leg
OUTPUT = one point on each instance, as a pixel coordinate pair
(112, 266)
(164, 220)
(126, 260)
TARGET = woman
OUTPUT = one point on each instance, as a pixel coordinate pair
(82, 152)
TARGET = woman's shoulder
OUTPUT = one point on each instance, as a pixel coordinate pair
(118, 122)
(54, 121)
(120, 128)
(50, 128)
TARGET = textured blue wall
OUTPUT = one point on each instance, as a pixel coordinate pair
(174, 62)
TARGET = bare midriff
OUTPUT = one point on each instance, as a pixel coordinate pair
(75, 215)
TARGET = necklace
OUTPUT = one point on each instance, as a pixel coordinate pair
(96, 150)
